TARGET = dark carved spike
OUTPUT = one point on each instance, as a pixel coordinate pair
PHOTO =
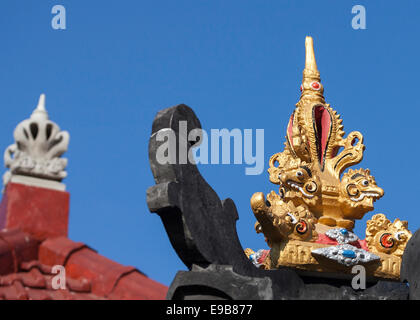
(201, 227)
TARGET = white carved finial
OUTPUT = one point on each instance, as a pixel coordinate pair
(40, 112)
(39, 144)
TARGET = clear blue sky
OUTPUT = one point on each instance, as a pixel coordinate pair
(238, 64)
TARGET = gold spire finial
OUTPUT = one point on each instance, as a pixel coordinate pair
(310, 62)
(311, 83)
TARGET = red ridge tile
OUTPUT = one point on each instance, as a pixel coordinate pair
(81, 285)
(103, 272)
(14, 292)
(56, 251)
(8, 279)
(36, 294)
(137, 286)
(15, 247)
(27, 266)
(33, 279)
(89, 275)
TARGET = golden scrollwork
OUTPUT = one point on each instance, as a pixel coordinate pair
(317, 202)
(386, 237)
(279, 220)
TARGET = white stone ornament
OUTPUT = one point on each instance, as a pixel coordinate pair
(342, 235)
(346, 254)
(39, 145)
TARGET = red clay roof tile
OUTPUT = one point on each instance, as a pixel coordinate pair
(34, 282)
(27, 266)
(26, 271)
(137, 286)
(33, 279)
(80, 285)
(39, 214)
(15, 247)
(89, 271)
(16, 291)
(103, 272)
(35, 294)
(55, 251)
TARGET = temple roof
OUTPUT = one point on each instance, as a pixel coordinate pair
(34, 213)
(26, 271)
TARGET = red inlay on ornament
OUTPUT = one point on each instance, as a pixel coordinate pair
(301, 227)
(386, 241)
(323, 125)
(315, 85)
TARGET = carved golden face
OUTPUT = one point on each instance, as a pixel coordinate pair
(293, 222)
(280, 220)
(358, 192)
(300, 184)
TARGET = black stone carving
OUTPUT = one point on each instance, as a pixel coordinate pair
(202, 230)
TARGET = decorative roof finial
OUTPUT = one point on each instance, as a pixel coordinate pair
(35, 157)
(318, 202)
(310, 62)
(311, 84)
(40, 112)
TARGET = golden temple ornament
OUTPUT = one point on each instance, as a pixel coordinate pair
(308, 224)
